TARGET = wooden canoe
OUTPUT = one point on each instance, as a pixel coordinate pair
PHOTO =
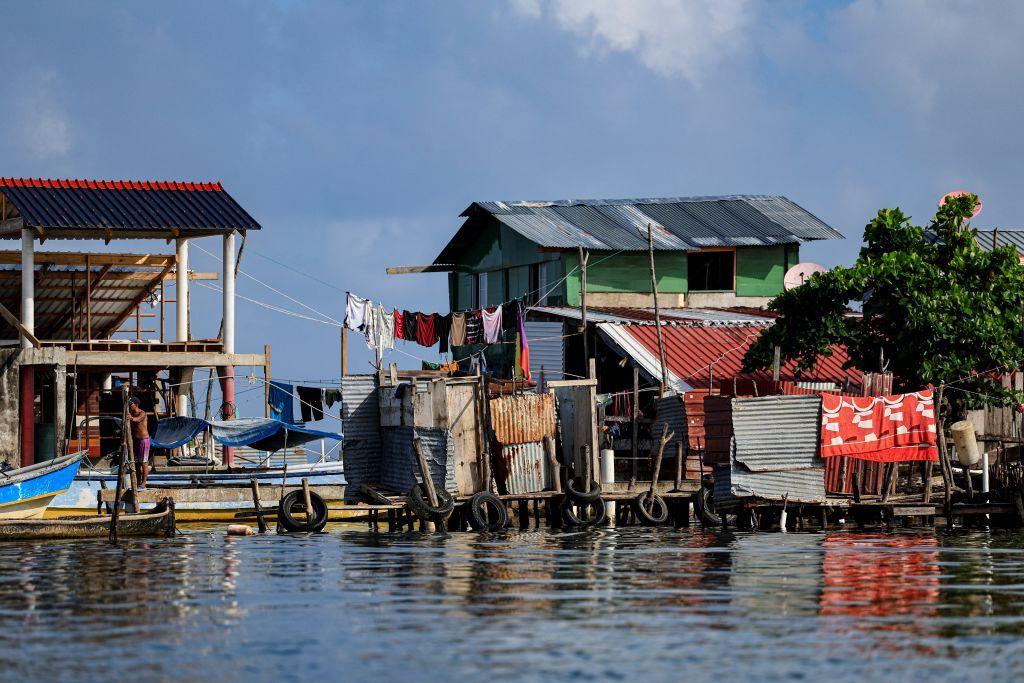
(156, 522)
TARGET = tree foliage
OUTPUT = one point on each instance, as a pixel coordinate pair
(935, 306)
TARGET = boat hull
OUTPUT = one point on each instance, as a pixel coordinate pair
(83, 494)
(157, 522)
(26, 493)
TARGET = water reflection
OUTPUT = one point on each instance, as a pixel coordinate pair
(529, 605)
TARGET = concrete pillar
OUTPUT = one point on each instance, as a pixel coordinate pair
(26, 400)
(28, 285)
(181, 293)
(227, 390)
(229, 292)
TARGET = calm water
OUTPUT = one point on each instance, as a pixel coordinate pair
(526, 606)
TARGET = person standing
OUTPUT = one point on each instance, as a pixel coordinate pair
(140, 437)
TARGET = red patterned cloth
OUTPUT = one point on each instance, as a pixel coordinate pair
(894, 428)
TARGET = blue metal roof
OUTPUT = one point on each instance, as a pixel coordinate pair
(680, 223)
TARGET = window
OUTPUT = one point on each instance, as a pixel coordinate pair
(480, 291)
(538, 284)
(711, 271)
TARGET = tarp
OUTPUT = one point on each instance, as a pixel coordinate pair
(895, 428)
(263, 434)
(174, 432)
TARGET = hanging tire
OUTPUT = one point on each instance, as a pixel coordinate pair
(656, 515)
(704, 506)
(479, 518)
(427, 512)
(581, 491)
(297, 523)
(574, 518)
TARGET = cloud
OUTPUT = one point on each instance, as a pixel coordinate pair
(686, 38)
(44, 127)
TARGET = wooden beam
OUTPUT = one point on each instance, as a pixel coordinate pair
(162, 359)
(69, 258)
(11, 226)
(409, 270)
(13, 320)
(119, 276)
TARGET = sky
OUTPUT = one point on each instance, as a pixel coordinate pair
(356, 133)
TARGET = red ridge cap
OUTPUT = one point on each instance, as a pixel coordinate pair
(149, 185)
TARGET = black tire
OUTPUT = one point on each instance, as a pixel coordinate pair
(704, 506)
(658, 513)
(296, 523)
(583, 492)
(478, 517)
(571, 518)
(424, 510)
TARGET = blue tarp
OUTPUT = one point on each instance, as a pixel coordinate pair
(260, 433)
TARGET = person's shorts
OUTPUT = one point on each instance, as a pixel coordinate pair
(142, 450)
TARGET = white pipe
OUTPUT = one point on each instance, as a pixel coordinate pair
(229, 292)
(608, 477)
(984, 473)
(28, 284)
(181, 293)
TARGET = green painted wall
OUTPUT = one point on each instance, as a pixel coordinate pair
(760, 270)
(627, 272)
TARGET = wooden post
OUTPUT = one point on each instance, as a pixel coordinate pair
(162, 297)
(307, 499)
(776, 364)
(266, 380)
(584, 258)
(261, 523)
(665, 438)
(428, 481)
(88, 306)
(549, 449)
(344, 350)
(121, 452)
(657, 311)
(679, 466)
(943, 456)
(634, 419)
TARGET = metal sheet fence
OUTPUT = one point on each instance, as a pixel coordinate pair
(360, 417)
(523, 468)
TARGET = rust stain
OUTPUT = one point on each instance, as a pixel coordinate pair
(526, 418)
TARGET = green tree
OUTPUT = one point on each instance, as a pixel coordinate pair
(935, 307)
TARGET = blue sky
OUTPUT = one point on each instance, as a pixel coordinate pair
(357, 132)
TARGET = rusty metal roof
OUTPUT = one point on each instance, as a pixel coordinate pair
(128, 208)
(524, 418)
(690, 350)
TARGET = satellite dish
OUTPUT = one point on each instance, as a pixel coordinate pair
(799, 273)
(961, 193)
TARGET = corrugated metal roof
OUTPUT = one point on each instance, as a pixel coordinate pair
(774, 433)
(985, 239)
(680, 223)
(690, 350)
(67, 207)
(669, 316)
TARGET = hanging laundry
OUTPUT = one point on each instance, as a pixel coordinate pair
(896, 428)
(384, 325)
(281, 403)
(458, 333)
(509, 314)
(409, 325)
(311, 403)
(426, 330)
(399, 324)
(524, 345)
(332, 396)
(443, 326)
(492, 325)
(370, 327)
(474, 328)
(355, 311)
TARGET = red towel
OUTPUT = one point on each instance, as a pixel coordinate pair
(399, 325)
(894, 428)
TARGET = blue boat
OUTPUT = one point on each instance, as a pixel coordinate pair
(25, 492)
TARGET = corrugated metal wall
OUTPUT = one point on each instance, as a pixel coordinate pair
(547, 350)
(524, 467)
(523, 419)
(775, 450)
(399, 468)
(360, 417)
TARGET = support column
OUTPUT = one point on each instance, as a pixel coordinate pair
(227, 390)
(229, 292)
(28, 285)
(26, 394)
(181, 309)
